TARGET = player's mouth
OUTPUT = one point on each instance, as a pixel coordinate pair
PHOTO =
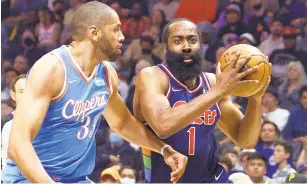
(187, 59)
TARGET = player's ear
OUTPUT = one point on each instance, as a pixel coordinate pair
(94, 33)
(13, 95)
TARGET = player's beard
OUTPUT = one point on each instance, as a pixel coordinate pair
(181, 70)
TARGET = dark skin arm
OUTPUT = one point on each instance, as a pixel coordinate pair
(152, 105)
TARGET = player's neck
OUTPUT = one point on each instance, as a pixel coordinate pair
(86, 60)
(190, 84)
(282, 165)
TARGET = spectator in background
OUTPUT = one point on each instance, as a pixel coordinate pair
(21, 64)
(271, 110)
(18, 85)
(275, 40)
(282, 153)
(158, 19)
(247, 38)
(169, 7)
(207, 32)
(27, 47)
(47, 31)
(280, 58)
(109, 175)
(141, 64)
(233, 156)
(243, 159)
(58, 8)
(116, 6)
(289, 89)
(136, 24)
(230, 39)
(9, 76)
(256, 22)
(234, 21)
(67, 29)
(269, 134)
(222, 17)
(19, 10)
(302, 39)
(5, 64)
(6, 109)
(296, 127)
(270, 5)
(256, 168)
(292, 10)
(227, 164)
(127, 175)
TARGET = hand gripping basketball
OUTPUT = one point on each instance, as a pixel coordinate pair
(231, 77)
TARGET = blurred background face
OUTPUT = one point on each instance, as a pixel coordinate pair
(136, 10)
(256, 168)
(280, 154)
(293, 73)
(9, 76)
(6, 64)
(268, 133)
(127, 176)
(304, 99)
(19, 88)
(43, 16)
(232, 17)
(289, 43)
(276, 28)
(233, 157)
(20, 64)
(269, 100)
(73, 3)
(157, 17)
(244, 41)
(116, 7)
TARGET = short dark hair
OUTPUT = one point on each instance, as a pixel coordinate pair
(166, 28)
(90, 13)
(274, 125)
(13, 83)
(128, 167)
(287, 146)
(256, 156)
(230, 150)
(11, 69)
(302, 90)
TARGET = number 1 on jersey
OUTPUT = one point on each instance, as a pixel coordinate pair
(191, 132)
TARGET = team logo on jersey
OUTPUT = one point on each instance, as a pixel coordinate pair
(99, 82)
(206, 118)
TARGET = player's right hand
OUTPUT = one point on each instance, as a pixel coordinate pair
(176, 161)
(231, 77)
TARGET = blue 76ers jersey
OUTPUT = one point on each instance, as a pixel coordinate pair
(65, 143)
(195, 141)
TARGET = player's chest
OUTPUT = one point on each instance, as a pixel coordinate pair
(207, 118)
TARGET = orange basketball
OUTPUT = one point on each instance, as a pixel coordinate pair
(257, 58)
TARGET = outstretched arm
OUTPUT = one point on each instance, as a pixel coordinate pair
(123, 122)
(27, 120)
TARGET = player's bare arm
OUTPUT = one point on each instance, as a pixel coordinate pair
(44, 82)
(243, 130)
(123, 122)
(152, 85)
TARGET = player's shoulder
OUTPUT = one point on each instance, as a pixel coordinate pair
(152, 75)
(152, 71)
(47, 64)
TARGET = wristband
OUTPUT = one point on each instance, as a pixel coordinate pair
(162, 149)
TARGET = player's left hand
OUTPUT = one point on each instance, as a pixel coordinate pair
(176, 161)
(258, 96)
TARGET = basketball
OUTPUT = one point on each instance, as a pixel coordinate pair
(257, 58)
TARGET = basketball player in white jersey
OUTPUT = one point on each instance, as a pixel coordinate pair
(63, 101)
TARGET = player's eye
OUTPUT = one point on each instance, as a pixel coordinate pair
(177, 42)
(193, 40)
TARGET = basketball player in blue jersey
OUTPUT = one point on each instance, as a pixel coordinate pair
(67, 92)
(182, 105)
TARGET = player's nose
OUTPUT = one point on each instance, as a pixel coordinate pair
(121, 37)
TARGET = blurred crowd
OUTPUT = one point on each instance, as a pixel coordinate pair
(31, 28)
